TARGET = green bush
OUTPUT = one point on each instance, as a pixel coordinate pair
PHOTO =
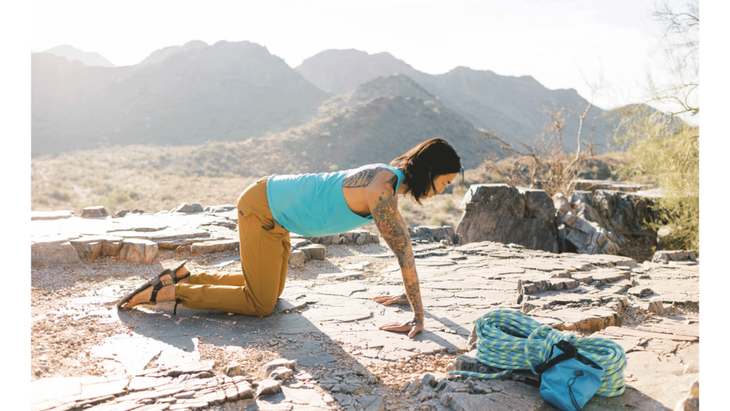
(681, 215)
(667, 152)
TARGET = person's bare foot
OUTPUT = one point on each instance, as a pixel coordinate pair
(165, 293)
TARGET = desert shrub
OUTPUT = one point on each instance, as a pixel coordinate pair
(101, 189)
(167, 197)
(119, 195)
(448, 205)
(438, 219)
(61, 194)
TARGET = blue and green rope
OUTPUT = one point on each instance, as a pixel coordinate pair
(510, 340)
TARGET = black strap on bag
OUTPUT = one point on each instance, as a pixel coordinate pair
(568, 352)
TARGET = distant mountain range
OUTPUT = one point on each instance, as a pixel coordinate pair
(508, 105)
(339, 108)
(72, 53)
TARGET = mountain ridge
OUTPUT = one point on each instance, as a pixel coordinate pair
(477, 95)
(226, 91)
(71, 53)
(234, 91)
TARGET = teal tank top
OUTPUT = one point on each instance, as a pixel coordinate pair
(313, 205)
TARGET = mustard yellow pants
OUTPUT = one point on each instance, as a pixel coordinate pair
(265, 248)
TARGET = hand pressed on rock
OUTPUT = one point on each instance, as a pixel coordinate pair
(412, 327)
(391, 299)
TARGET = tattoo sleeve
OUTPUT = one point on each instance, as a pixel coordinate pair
(361, 178)
(393, 229)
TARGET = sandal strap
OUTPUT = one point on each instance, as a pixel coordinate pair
(159, 283)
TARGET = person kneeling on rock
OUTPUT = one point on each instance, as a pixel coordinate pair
(313, 205)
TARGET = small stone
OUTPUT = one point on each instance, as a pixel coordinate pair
(656, 307)
(121, 213)
(188, 208)
(297, 258)
(527, 307)
(304, 376)
(415, 386)
(282, 373)
(328, 399)
(233, 369)
(314, 252)
(362, 239)
(426, 394)
(282, 362)
(370, 402)
(640, 292)
(94, 212)
(428, 379)
(268, 387)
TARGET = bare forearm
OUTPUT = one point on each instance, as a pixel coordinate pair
(413, 293)
(395, 234)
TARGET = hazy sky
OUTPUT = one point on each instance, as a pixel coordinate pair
(551, 40)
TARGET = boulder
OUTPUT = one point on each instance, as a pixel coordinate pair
(538, 204)
(617, 212)
(138, 251)
(94, 212)
(499, 212)
(53, 251)
(584, 237)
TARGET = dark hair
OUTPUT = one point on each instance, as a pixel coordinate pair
(426, 161)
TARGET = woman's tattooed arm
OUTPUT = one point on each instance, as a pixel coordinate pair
(395, 233)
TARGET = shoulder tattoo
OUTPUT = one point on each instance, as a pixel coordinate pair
(362, 178)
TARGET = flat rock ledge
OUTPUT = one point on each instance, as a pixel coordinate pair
(333, 357)
(60, 238)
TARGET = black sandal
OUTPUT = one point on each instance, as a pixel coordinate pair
(157, 284)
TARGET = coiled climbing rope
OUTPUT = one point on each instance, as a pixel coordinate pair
(510, 340)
